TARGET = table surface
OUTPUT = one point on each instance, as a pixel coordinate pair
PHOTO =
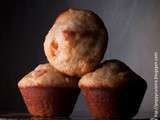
(26, 116)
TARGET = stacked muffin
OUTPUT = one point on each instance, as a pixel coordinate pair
(76, 43)
(74, 47)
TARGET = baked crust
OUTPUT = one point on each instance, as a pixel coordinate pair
(46, 75)
(76, 43)
(111, 73)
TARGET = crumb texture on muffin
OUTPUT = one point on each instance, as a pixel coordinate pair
(76, 43)
(46, 75)
(112, 73)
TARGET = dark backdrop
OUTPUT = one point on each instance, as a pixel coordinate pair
(23, 26)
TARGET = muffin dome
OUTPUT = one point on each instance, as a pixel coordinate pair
(46, 75)
(77, 42)
(112, 73)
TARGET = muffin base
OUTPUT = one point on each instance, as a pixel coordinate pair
(50, 101)
(115, 103)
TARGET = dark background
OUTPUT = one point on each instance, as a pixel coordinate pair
(134, 36)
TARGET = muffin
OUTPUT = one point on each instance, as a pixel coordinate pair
(47, 92)
(113, 90)
(76, 43)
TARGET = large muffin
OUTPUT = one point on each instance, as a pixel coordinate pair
(47, 92)
(77, 42)
(113, 90)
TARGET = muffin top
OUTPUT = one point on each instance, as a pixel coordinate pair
(77, 42)
(46, 75)
(111, 73)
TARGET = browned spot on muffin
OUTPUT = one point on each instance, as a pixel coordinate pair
(70, 37)
(54, 47)
(69, 34)
(38, 73)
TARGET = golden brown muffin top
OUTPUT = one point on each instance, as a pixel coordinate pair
(46, 75)
(77, 42)
(112, 73)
